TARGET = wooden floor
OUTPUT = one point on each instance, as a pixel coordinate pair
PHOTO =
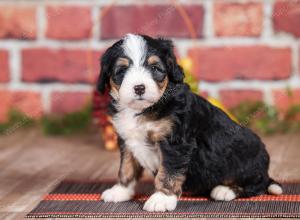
(32, 164)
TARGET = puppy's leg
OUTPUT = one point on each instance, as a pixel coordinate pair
(168, 189)
(251, 186)
(261, 186)
(129, 172)
(171, 175)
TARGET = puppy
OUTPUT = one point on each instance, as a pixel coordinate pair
(187, 143)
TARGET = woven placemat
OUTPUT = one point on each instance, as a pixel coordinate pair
(83, 200)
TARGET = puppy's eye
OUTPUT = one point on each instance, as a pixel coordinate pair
(155, 69)
(158, 73)
(120, 71)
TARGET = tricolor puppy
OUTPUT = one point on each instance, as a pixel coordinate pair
(187, 143)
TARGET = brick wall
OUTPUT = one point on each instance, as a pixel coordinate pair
(242, 50)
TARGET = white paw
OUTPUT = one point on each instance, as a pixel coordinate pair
(275, 189)
(118, 193)
(222, 193)
(160, 202)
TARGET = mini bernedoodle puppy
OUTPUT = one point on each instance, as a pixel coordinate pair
(187, 143)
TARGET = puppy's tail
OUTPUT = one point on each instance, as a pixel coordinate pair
(274, 188)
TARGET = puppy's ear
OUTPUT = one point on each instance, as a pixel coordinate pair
(107, 62)
(103, 79)
(175, 72)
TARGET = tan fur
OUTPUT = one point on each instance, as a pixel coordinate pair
(163, 85)
(113, 85)
(114, 89)
(130, 169)
(168, 184)
(162, 128)
(122, 62)
(153, 59)
(228, 182)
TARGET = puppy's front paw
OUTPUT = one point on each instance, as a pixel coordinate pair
(160, 202)
(222, 193)
(118, 193)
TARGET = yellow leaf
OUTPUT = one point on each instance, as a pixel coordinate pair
(218, 104)
(186, 64)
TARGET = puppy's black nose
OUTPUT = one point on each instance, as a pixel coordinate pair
(139, 89)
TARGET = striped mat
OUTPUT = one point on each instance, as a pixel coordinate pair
(72, 199)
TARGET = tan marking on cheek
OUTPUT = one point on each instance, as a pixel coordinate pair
(114, 85)
(114, 89)
(153, 59)
(163, 85)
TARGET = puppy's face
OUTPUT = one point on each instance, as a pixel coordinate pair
(139, 76)
(138, 70)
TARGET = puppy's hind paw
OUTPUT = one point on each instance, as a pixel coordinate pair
(275, 189)
(222, 193)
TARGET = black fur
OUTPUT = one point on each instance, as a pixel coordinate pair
(210, 148)
(205, 145)
(107, 63)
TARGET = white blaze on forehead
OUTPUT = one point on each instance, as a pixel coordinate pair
(135, 48)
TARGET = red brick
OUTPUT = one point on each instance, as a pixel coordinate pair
(299, 60)
(50, 65)
(66, 102)
(4, 66)
(286, 17)
(18, 22)
(244, 62)
(234, 97)
(238, 19)
(284, 99)
(27, 102)
(163, 20)
(69, 22)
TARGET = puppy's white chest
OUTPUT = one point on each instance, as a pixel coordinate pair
(135, 134)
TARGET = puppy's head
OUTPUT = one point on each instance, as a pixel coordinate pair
(138, 69)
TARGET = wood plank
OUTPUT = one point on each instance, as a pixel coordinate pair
(31, 165)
